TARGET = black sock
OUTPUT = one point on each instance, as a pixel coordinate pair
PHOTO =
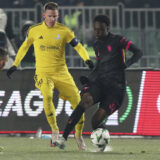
(73, 120)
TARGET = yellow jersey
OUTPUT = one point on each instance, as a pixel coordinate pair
(49, 47)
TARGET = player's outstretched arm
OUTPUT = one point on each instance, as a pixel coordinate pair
(84, 55)
(82, 52)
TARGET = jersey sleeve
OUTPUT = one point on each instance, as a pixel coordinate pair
(124, 43)
(128, 45)
(82, 51)
(70, 35)
(23, 48)
(78, 47)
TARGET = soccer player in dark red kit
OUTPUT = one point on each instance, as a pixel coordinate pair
(106, 83)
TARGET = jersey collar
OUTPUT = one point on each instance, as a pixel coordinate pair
(44, 25)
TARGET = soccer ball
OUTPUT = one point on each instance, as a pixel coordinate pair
(100, 137)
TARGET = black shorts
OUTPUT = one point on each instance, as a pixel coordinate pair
(109, 96)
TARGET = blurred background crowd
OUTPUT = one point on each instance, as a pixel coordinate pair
(137, 20)
(127, 3)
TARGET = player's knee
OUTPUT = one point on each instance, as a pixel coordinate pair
(75, 100)
(86, 101)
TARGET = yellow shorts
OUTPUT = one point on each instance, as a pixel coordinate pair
(63, 82)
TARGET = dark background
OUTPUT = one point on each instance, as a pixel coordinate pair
(23, 81)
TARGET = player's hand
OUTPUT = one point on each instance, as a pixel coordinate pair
(84, 80)
(89, 64)
(10, 71)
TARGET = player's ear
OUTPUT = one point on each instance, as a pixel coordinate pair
(43, 15)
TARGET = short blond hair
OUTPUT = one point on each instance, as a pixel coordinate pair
(51, 6)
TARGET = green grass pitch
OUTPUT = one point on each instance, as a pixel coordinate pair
(18, 148)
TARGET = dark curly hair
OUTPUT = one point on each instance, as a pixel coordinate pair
(103, 19)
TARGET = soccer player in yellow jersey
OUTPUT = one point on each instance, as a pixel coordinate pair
(49, 39)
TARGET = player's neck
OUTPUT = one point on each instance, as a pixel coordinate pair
(48, 25)
(105, 37)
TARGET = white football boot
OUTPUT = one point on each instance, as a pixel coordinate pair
(61, 143)
(54, 138)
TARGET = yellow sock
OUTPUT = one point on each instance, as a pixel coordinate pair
(74, 100)
(52, 122)
(79, 127)
(50, 115)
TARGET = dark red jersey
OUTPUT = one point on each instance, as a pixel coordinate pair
(111, 58)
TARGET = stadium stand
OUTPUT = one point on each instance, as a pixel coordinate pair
(141, 25)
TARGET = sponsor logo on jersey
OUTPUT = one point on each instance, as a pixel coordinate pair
(47, 48)
(57, 37)
(109, 48)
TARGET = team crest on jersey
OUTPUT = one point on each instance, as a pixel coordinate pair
(57, 37)
(109, 48)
